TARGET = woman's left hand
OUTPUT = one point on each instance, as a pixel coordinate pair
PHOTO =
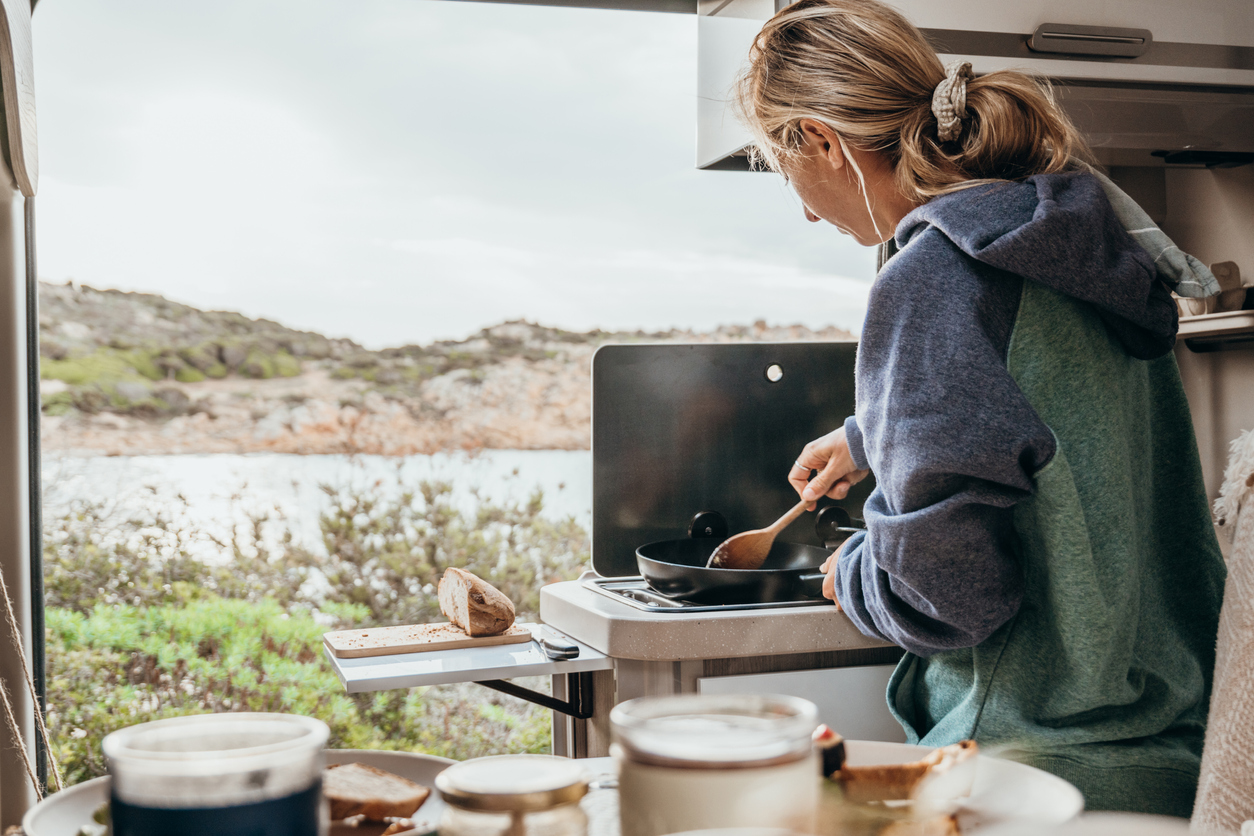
(829, 583)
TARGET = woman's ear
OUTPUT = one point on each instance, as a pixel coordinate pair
(820, 140)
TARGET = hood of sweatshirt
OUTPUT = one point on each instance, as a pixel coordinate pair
(1059, 230)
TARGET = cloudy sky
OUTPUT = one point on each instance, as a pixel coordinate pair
(403, 170)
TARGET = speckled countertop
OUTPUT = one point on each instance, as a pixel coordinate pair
(622, 631)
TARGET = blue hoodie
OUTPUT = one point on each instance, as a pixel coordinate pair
(1039, 538)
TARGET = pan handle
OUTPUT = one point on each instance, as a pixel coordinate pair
(812, 583)
(834, 526)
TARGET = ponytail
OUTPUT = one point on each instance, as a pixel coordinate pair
(861, 68)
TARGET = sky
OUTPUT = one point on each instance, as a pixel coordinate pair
(398, 171)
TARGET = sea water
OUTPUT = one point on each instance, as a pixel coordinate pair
(215, 493)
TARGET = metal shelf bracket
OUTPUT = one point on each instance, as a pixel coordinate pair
(578, 685)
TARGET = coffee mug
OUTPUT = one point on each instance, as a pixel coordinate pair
(218, 775)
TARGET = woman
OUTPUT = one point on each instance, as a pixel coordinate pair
(1039, 538)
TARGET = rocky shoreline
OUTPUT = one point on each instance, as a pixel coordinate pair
(111, 389)
(513, 406)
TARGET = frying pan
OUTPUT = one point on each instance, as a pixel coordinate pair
(676, 568)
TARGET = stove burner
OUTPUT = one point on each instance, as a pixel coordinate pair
(636, 593)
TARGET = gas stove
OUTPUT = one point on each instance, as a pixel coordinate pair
(699, 438)
(634, 592)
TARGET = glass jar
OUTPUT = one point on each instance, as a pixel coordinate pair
(699, 762)
(513, 795)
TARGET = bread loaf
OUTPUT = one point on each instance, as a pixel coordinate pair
(355, 789)
(473, 604)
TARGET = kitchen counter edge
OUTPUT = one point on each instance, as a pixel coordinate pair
(623, 632)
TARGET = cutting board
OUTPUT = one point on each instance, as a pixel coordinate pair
(414, 638)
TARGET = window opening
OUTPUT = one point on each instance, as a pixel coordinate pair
(323, 369)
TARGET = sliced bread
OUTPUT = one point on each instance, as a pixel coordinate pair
(905, 780)
(354, 789)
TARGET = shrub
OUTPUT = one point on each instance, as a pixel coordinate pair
(388, 554)
(140, 628)
(121, 665)
(102, 366)
(58, 403)
(200, 357)
(90, 401)
(189, 374)
(258, 365)
(286, 365)
(145, 363)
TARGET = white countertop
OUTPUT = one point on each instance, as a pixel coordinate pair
(621, 631)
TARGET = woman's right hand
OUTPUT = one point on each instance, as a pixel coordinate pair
(830, 456)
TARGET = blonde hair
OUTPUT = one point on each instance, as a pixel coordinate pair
(862, 69)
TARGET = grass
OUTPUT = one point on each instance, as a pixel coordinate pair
(140, 628)
(94, 378)
(104, 366)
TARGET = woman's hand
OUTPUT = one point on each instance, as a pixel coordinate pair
(828, 455)
(829, 583)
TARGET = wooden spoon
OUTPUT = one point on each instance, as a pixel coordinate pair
(749, 549)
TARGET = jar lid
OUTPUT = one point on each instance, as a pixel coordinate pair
(512, 783)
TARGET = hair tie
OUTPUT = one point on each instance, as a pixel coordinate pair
(949, 102)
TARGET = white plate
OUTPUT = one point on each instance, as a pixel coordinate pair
(63, 813)
(1100, 824)
(1004, 791)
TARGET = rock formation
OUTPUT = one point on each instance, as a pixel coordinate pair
(136, 374)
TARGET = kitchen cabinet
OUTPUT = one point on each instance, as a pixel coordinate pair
(1192, 88)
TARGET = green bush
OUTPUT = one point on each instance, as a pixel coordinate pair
(139, 628)
(90, 401)
(147, 407)
(286, 365)
(121, 665)
(92, 560)
(102, 366)
(258, 365)
(217, 371)
(189, 374)
(201, 357)
(145, 363)
(388, 554)
(57, 404)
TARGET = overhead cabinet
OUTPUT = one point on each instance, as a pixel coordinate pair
(1175, 77)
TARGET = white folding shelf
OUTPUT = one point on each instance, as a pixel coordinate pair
(469, 664)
